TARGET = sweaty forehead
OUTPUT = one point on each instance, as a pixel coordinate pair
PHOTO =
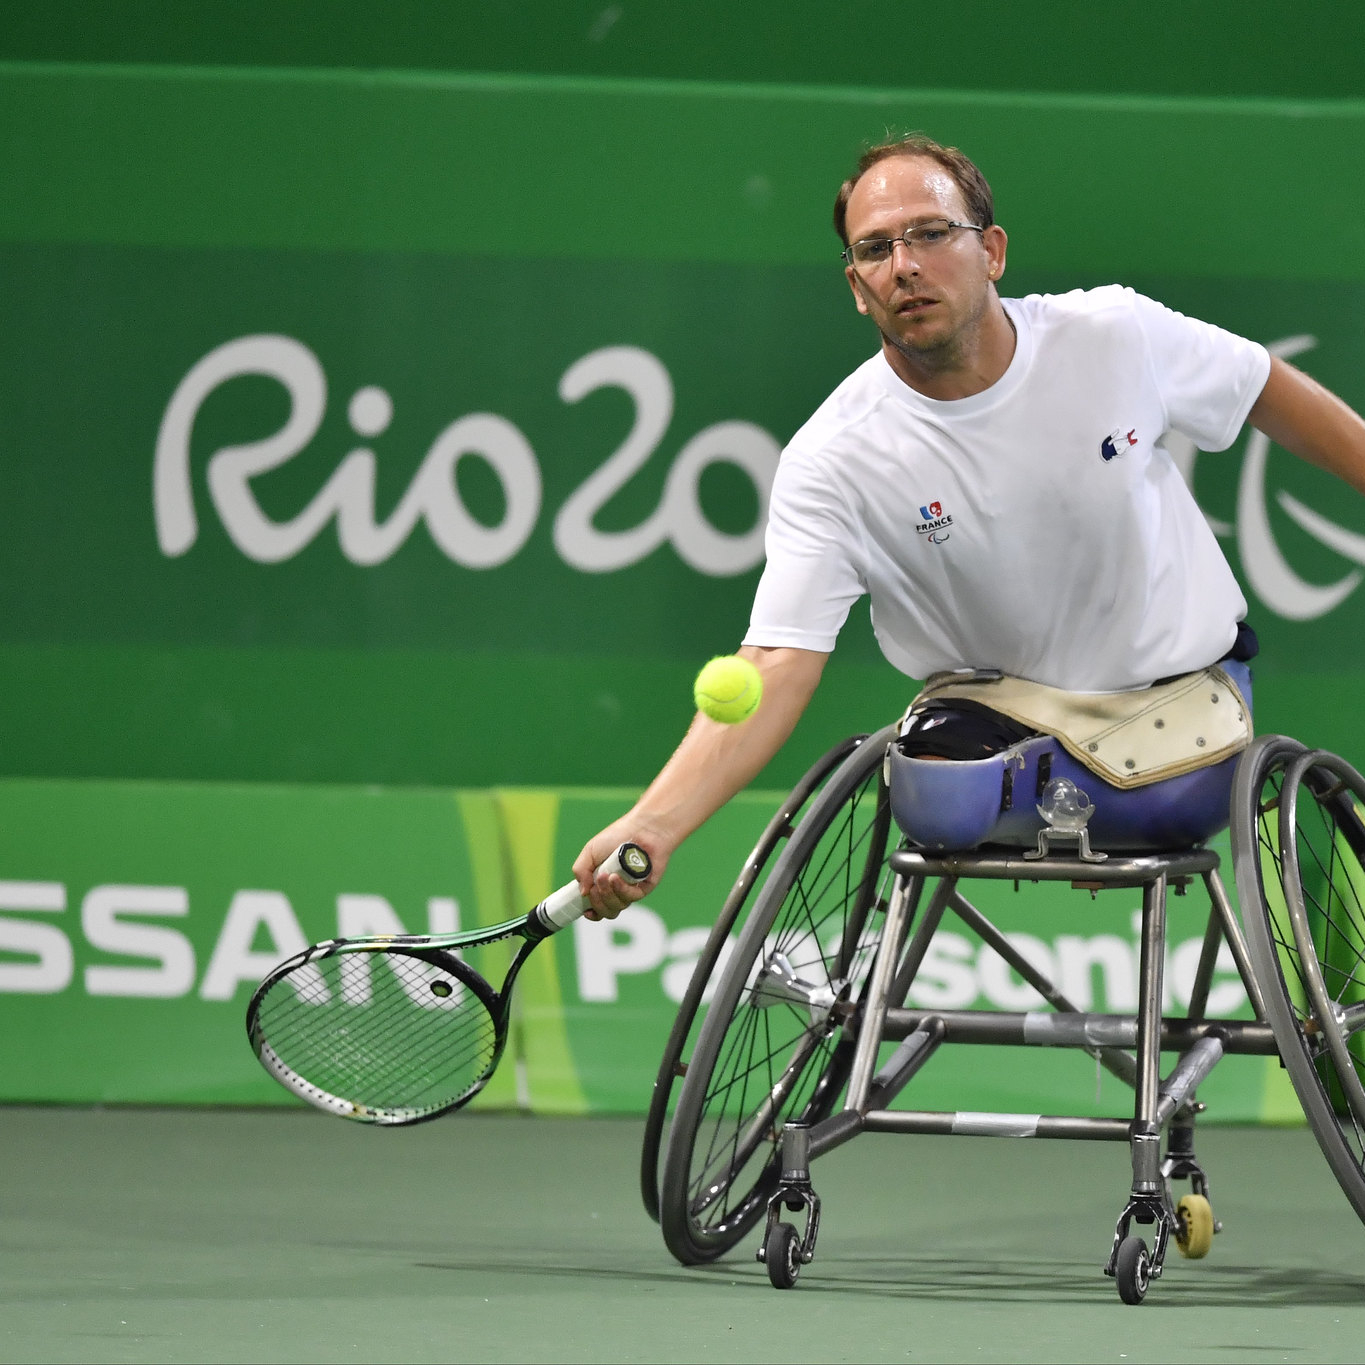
(898, 191)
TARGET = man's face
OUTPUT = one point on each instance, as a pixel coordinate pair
(923, 301)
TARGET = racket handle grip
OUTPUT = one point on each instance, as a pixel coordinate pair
(562, 907)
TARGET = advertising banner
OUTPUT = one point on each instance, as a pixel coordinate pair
(136, 918)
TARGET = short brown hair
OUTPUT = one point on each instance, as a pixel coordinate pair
(975, 191)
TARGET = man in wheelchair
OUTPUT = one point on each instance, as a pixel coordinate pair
(994, 479)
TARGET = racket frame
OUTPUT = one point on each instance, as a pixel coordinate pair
(409, 945)
(552, 914)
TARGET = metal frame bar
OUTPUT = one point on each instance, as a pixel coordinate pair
(1236, 940)
(1118, 870)
(875, 1002)
(913, 957)
(1151, 978)
(1043, 1029)
(965, 1123)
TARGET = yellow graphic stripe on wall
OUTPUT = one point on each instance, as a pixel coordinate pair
(529, 819)
(493, 903)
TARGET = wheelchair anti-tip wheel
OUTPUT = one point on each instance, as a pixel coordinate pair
(674, 1063)
(1298, 842)
(772, 1047)
(1194, 1226)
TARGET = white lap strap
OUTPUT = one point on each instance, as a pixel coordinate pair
(1127, 738)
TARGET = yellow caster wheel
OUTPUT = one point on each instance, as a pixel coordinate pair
(1194, 1236)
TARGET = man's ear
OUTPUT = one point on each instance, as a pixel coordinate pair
(851, 276)
(995, 243)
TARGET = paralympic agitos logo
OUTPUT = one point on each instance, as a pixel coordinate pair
(1264, 564)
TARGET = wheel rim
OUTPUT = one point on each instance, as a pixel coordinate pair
(774, 1063)
(1328, 841)
(1320, 840)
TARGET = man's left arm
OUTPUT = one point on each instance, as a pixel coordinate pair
(1309, 421)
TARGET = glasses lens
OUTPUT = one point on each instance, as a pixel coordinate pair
(933, 233)
(871, 251)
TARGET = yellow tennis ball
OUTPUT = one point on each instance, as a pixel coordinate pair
(728, 689)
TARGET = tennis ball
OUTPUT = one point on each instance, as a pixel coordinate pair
(728, 689)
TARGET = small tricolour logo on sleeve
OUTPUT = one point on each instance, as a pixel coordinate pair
(1117, 442)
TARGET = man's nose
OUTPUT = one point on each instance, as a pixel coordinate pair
(904, 261)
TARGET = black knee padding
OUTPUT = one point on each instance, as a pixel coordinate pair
(959, 730)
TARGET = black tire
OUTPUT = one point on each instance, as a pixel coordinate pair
(782, 1255)
(1298, 845)
(1133, 1270)
(756, 1067)
(673, 1065)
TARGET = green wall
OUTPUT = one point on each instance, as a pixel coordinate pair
(465, 241)
(1297, 49)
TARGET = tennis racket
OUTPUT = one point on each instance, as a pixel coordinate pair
(398, 1029)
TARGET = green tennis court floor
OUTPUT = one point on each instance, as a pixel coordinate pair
(191, 1235)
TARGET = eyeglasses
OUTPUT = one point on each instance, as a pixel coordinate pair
(930, 236)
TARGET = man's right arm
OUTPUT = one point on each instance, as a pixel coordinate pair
(711, 765)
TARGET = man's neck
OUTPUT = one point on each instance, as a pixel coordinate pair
(970, 367)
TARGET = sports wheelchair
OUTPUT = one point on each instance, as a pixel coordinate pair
(773, 1058)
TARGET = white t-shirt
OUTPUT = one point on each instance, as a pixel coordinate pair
(1037, 527)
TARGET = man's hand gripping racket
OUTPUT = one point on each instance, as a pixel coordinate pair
(397, 1029)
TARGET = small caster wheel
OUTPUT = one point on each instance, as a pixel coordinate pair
(1133, 1270)
(782, 1255)
(1194, 1226)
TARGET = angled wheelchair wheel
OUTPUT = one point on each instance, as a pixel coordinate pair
(772, 1047)
(702, 985)
(1298, 841)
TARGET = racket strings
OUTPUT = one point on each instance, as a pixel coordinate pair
(396, 1052)
(389, 1054)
